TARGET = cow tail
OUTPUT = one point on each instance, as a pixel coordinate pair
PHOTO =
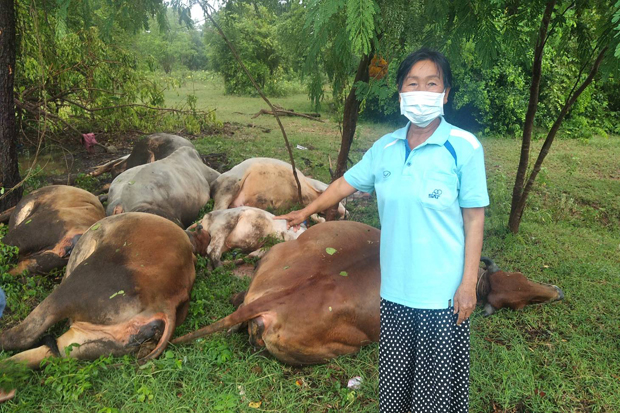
(169, 319)
(210, 329)
(243, 313)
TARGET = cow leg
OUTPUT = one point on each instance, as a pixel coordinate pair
(6, 395)
(31, 358)
(87, 341)
(25, 334)
(39, 263)
(215, 250)
(259, 253)
(220, 231)
(317, 219)
(225, 192)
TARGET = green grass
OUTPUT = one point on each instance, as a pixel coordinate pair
(562, 357)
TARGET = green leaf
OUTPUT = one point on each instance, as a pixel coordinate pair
(286, 267)
(28, 222)
(121, 292)
(344, 273)
(330, 250)
(131, 182)
(95, 227)
(361, 24)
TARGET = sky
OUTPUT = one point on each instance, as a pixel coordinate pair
(197, 14)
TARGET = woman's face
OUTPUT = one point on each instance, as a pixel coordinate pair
(425, 76)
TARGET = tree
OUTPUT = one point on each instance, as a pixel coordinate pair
(175, 45)
(70, 69)
(578, 34)
(9, 171)
(252, 29)
(593, 34)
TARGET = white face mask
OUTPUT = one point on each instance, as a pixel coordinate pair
(421, 108)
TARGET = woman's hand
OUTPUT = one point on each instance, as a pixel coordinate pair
(333, 194)
(293, 219)
(464, 302)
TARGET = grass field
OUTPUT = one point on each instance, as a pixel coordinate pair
(562, 357)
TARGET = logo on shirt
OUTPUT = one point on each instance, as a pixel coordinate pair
(386, 174)
(435, 194)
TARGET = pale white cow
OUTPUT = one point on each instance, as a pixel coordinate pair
(243, 227)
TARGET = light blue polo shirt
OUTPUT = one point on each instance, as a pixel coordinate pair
(420, 200)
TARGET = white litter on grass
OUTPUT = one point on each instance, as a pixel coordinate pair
(303, 148)
(355, 383)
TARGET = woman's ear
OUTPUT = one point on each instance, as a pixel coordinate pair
(445, 98)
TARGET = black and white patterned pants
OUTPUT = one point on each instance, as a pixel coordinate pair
(423, 360)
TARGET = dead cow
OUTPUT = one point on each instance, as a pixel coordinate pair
(317, 297)
(150, 149)
(243, 227)
(175, 188)
(499, 289)
(46, 224)
(264, 183)
(127, 287)
(313, 298)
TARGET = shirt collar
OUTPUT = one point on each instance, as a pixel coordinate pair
(439, 137)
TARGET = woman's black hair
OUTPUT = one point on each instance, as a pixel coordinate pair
(425, 54)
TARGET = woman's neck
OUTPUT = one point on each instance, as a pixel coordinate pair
(417, 135)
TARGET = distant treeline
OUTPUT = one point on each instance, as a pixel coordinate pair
(77, 56)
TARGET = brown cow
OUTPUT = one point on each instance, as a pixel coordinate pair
(264, 183)
(317, 297)
(150, 149)
(243, 227)
(47, 223)
(127, 287)
(499, 289)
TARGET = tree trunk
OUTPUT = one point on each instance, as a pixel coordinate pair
(349, 123)
(544, 151)
(528, 127)
(9, 171)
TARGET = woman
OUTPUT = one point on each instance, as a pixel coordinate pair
(431, 192)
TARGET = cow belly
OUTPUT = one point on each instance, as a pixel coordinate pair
(269, 190)
(314, 340)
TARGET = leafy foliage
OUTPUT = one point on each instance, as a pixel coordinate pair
(253, 32)
(361, 24)
(75, 69)
(174, 46)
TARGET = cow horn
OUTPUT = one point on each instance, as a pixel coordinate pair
(491, 266)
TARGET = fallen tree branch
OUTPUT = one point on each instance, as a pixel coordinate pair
(4, 216)
(311, 116)
(138, 105)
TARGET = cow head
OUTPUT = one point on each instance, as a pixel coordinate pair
(199, 237)
(498, 289)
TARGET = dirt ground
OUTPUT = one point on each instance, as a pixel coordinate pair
(75, 159)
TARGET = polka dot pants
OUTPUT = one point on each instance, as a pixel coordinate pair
(423, 360)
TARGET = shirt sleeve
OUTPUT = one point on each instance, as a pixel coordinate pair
(361, 176)
(473, 189)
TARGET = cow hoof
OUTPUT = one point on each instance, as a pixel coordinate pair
(6, 395)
